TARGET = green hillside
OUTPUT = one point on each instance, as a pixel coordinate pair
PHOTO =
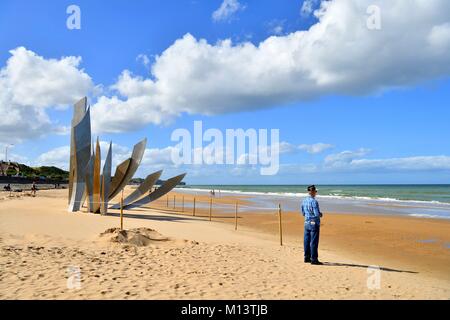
(44, 171)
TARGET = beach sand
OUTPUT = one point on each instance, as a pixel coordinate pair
(170, 254)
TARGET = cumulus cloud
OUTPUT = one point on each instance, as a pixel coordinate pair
(226, 10)
(344, 159)
(158, 156)
(338, 55)
(439, 37)
(38, 82)
(113, 114)
(29, 84)
(58, 157)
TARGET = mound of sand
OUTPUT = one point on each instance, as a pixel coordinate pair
(140, 237)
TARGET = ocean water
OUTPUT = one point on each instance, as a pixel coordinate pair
(428, 201)
(429, 193)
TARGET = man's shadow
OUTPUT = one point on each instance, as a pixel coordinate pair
(337, 264)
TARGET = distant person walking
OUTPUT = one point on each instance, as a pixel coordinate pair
(312, 214)
(33, 189)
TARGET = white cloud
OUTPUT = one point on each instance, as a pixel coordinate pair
(338, 55)
(354, 161)
(62, 130)
(344, 159)
(58, 157)
(315, 148)
(226, 10)
(144, 59)
(158, 157)
(38, 82)
(439, 37)
(420, 163)
(30, 83)
(287, 147)
(276, 27)
(308, 7)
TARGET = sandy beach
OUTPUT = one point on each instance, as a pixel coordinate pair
(170, 254)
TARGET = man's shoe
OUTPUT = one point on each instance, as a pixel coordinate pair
(317, 263)
(307, 260)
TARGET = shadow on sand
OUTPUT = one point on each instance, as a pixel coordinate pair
(336, 264)
(151, 217)
(180, 213)
(175, 217)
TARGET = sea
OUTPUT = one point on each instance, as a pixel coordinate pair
(427, 201)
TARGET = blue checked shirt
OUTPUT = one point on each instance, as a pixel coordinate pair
(310, 210)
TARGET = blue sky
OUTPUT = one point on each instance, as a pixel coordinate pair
(384, 116)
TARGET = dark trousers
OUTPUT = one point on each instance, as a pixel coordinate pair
(311, 241)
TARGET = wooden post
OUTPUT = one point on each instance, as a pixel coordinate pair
(182, 204)
(235, 216)
(121, 212)
(210, 208)
(193, 210)
(174, 202)
(167, 201)
(280, 227)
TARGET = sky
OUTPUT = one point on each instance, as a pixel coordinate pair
(359, 90)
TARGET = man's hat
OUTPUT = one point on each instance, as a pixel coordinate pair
(312, 188)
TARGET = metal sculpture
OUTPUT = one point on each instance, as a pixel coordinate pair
(81, 149)
(96, 179)
(79, 110)
(136, 158)
(158, 193)
(121, 170)
(89, 178)
(145, 186)
(106, 182)
(87, 182)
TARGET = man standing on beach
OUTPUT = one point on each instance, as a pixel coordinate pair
(312, 214)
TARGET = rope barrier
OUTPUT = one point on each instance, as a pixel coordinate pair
(259, 208)
(231, 205)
